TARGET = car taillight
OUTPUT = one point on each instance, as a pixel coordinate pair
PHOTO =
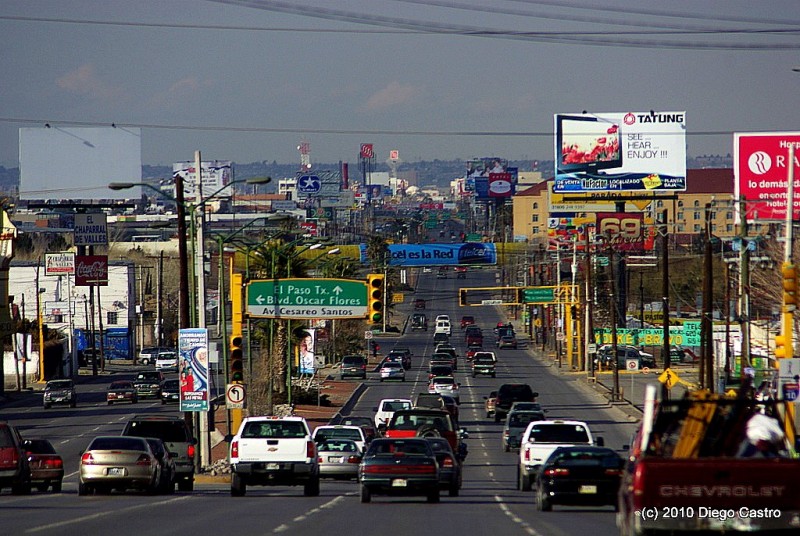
(234, 449)
(53, 463)
(311, 449)
(363, 367)
(556, 472)
(144, 459)
(319, 459)
(613, 472)
(190, 451)
(354, 459)
(527, 455)
(506, 433)
(87, 459)
(448, 462)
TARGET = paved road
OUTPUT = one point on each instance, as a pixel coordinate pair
(488, 504)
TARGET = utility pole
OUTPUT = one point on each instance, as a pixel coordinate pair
(744, 288)
(707, 359)
(665, 298)
(615, 393)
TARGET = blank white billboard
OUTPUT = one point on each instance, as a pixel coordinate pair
(78, 163)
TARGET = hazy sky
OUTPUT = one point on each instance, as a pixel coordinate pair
(249, 80)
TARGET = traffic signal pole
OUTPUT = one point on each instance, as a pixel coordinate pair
(789, 273)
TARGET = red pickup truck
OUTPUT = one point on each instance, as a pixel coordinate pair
(710, 463)
(423, 423)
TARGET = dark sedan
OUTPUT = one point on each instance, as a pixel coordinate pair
(47, 467)
(121, 391)
(402, 466)
(450, 476)
(170, 391)
(584, 476)
(507, 341)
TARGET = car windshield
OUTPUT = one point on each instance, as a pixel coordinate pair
(338, 445)
(559, 433)
(383, 447)
(323, 434)
(169, 431)
(117, 443)
(278, 430)
(521, 420)
(396, 406)
(584, 458)
(59, 384)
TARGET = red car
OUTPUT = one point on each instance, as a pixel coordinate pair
(47, 467)
(467, 320)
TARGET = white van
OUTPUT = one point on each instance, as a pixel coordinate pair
(387, 407)
(167, 362)
(443, 326)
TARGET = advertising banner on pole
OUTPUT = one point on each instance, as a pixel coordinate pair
(633, 151)
(307, 351)
(193, 369)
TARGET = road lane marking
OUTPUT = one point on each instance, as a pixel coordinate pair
(315, 510)
(516, 519)
(98, 515)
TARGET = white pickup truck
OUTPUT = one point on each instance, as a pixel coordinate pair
(542, 438)
(274, 451)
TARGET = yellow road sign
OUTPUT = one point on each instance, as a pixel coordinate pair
(669, 378)
(398, 298)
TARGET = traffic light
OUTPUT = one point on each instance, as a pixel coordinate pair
(789, 286)
(236, 360)
(781, 349)
(375, 291)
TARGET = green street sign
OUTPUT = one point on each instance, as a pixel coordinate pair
(307, 298)
(474, 237)
(539, 295)
(431, 224)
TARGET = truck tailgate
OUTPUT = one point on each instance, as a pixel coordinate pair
(265, 450)
(715, 493)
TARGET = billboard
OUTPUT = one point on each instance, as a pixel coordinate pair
(439, 254)
(760, 173)
(618, 152)
(215, 176)
(58, 162)
(91, 270)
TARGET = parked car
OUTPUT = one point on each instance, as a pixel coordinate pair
(116, 462)
(167, 474)
(399, 466)
(386, 408)
(121, 391)
(170, 391)
(148, 356)
(419, 322)
(15, 473)
(338, 458)
(339, 431)
(393, 370)
(148, 383)
(584, 476)
(507, 341)
(353, 366)
(46, 465)
(625, 352)
(515, 425)
(467, 320)
(59, 392)
(176, 435)
(450, 473)
(489, 404)
(510, 393)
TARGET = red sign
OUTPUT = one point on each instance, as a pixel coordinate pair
(431, 206)
(761, 172)
(500, 185)
(309, 227)
(627, 231)
(91, 270)
(367, 151)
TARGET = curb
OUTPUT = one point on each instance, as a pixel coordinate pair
(347, 407)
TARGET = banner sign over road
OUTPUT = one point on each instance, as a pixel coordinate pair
(439, 254)
(307, 298)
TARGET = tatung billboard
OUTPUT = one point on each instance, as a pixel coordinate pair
(760, 170)
(619, 152)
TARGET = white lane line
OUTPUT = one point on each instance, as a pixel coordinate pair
(98, 515)
(516, 519)
(315, 510)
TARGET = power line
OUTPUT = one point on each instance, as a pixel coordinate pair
(299, 130)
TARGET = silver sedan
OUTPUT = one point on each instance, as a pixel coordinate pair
(338, 458)
(118, 462)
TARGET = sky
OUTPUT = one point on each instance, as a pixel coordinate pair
(249, 80)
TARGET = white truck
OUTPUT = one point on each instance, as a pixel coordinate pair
(274, 451)
(542, 438)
